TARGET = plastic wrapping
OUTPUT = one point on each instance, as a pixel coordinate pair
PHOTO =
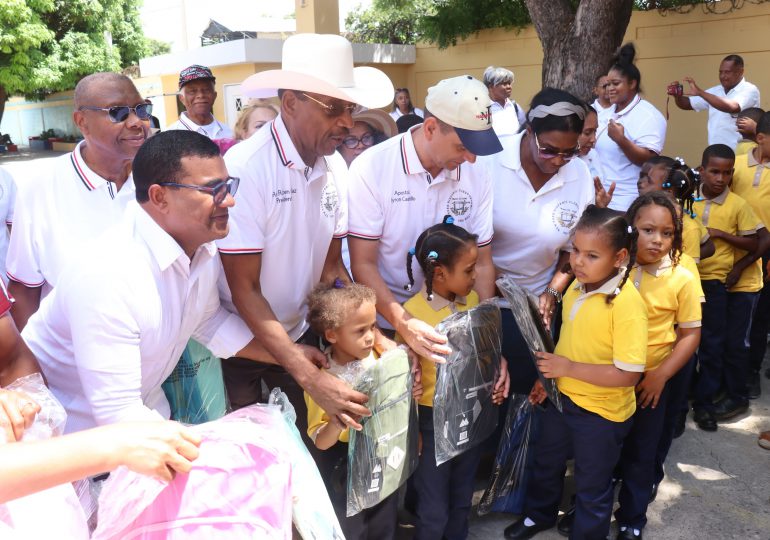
(508, 482)
(526, 311)
(463, 412)
(383, 455)
(195, 389)
(60, 507)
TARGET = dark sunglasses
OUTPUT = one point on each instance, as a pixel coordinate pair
(351, 142)
(119, 113)
(550, 153)
(218, 191)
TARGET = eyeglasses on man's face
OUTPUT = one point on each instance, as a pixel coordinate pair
(218, 190)
(337, 108)
(351, 142)
(120, 113)
(550, 153)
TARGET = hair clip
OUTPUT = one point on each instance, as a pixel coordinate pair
(666, 184)
(630, 230)
(449, 220)
(430, 297)
(433, 255)
(408, 287)
(411, 251)
(617, 291)
(680, 161)
(338, 283)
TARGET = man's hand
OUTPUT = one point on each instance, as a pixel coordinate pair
(315, 356)
(17, 412)
(616, 131)
(694, 88)
(744, 123)
(335, 397)
(552, 365)
(602, 197)
(423, 339)
(650, 387)
(538, 394)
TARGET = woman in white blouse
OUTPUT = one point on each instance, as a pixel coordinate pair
(630, 133)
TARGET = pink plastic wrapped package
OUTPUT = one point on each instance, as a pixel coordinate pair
(239, 487)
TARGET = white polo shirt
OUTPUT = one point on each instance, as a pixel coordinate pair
(214, 130)
(289, 213)
(594, 164)
(507, 119)
(531, 228)
(116, 324)
(57, 212)
(645, 126)
(7, 205)
(393, 199)
(395, 115)
(721, 125)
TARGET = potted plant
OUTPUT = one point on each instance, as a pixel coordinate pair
(64, 144)
(42, 142)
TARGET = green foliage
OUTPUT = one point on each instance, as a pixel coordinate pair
(48, 45)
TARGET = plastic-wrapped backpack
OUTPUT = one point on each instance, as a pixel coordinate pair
(383, 455)
(463, 412)
(54, 512)
(524, 307)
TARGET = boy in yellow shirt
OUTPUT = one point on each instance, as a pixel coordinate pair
(730, 284)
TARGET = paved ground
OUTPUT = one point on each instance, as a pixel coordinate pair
(717, 485)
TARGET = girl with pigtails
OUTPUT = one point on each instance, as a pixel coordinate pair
(598, 360)
(447, 255)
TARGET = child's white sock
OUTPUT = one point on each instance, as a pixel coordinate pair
(528, 522)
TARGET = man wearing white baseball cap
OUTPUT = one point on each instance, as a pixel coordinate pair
(404, 185)
(286, 233)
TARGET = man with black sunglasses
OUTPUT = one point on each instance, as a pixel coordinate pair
(80, 194)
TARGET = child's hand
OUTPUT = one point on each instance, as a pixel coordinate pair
(714, 233)
(502, 384)
(416, 374)
(546, 306)
(552, 365)
(650, 387)
(601, 196)
(746, 124)
(538, 394)
(732, 278)
(417, 389)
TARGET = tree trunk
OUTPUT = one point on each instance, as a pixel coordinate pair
(3, 99)
(577, 47)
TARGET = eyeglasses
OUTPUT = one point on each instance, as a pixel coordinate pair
(119, 113)
(351, 142)
(335, 109)
(548, 153)
(218, 191)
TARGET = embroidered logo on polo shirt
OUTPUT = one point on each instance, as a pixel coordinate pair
(329, 200)
(459, 204)
(565, 216)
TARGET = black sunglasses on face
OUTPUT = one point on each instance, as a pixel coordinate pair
(218, 191)
(119, 113)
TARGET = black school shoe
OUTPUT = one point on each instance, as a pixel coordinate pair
(705, 420)
(755, 388)
(519, 531)
(729, 407)
(628, 534)
(564, 526)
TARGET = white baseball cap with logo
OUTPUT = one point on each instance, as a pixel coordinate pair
(463, 102)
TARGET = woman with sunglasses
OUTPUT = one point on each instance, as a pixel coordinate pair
(540, 191)
(630, 132)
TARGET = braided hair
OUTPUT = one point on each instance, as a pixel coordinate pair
(659, 198)
(683, 183)
(440, 244)
(618, 231)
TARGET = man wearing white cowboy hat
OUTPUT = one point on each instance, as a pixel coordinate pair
(286, 233)
(403, 186)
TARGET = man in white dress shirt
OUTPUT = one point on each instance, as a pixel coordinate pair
(723, 101)
(115, 325)
(197, 92)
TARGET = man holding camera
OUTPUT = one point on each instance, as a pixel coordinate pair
(724, 101)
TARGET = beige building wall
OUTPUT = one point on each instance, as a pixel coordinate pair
(668, 46)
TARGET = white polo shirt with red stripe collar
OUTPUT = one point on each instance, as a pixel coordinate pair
(393, 199)
(58, 212)
(214, 130)
(289, 213)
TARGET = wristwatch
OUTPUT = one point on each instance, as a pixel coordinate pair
(553, 292)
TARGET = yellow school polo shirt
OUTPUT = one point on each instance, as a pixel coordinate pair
(316, 416)
(433, 312)
(687, 262)
(744, 147)
(751, 182)
(671, 297)
(693, 235)
(595, 332)
(729, 213)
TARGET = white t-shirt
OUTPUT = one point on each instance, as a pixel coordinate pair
(116, 324)
(594, 164)
(721, 125)
(289, 213)
(531, 228)
(393, 199)
(57, 213)
(7, 204)
(645, 126)
(395, 115)
(507, 119)
(214, 130)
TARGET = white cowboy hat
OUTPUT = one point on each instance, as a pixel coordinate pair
(322, 64)
(379, 120)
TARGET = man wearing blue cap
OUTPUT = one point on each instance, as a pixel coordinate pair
(197, 93)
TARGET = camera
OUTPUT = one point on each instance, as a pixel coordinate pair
(675, 89)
